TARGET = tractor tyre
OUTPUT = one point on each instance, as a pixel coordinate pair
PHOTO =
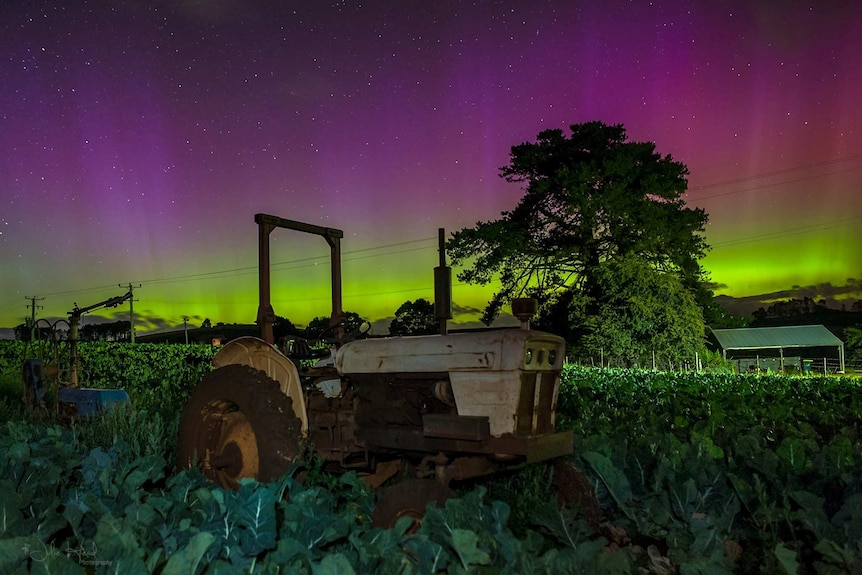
(238, 423)
(409, 498)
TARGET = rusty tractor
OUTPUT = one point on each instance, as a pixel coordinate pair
(414, 412)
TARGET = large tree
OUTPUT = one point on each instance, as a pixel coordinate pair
(644, 315)
(415, 318)
(589, 198)
(352, 324)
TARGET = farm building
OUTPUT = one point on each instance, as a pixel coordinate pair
(808, 348)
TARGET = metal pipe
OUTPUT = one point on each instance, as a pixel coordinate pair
(267, 223)
(265, 313)
(442, 286)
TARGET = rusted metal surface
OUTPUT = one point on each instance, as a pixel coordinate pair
(332, 429)
(237, 424)
(536, 403)
(532, 448)
(456, 427)
(496, 350)
(260, 355)
(266, 224)
(462, 468)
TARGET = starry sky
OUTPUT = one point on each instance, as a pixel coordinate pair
(139, 138)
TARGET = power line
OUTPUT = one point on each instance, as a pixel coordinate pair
(781, 172)
(281, 266)
(782, 183)
(798, 230)
(288, 264)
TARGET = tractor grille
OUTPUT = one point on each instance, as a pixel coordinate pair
(537, 402)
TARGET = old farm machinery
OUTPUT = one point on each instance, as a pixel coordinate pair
(425, 409)
(52, 373)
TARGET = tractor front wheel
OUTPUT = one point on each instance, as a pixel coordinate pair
(238, 423)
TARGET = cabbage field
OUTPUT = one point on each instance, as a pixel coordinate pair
(699, 472)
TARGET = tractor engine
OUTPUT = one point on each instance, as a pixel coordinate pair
(419, 410)
(486, 396)
(471, 386)
(489, 394)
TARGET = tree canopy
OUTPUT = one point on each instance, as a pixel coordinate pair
(415, 318)
(645, 314)
(589, 198)
(319, 327)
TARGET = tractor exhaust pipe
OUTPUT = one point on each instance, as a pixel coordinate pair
(442, 286)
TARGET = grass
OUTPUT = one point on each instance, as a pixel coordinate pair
(524, 490)
(144, 429)
(11, 396)
(145, 432)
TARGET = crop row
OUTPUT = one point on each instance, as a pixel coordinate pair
(764, 469)
(689, 472)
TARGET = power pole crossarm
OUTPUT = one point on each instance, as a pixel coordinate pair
(33, 299)
(132, 301)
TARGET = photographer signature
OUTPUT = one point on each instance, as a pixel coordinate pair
(83, 554)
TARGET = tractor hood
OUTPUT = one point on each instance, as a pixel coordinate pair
(491, 350)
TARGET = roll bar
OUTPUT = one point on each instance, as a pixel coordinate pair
(266, 223)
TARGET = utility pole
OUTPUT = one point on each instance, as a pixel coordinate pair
(33, 299)
(186, 327)
(131, 289)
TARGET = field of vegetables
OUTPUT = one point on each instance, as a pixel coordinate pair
(672, 473)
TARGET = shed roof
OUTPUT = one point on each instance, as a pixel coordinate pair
(776, 337)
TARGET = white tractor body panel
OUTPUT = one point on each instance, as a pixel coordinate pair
(485, 368)
(490, 350)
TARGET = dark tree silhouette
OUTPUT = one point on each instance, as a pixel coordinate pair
(414, 318)
(590, 198)
(319, 327)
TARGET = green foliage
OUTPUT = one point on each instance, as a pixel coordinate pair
(66, 508)
(642, 312)
(524, 490)
(853, 339)
(158, 378)
(589, 198)
(709, 472)
(11, 396)
(143, 431)
(708, 462)
(415, 318)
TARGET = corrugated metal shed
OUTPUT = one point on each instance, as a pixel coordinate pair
(798, 340)
(776, 337)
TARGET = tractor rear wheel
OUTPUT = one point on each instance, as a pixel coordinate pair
(409, 498)
(238, 423)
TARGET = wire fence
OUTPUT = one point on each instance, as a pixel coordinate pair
(654, 362)
(798, 365)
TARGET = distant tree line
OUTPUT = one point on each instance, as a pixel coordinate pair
(110, 331)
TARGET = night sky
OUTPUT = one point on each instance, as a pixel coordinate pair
(138, 139)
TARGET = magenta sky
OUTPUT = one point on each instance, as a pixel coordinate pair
(137, 140)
